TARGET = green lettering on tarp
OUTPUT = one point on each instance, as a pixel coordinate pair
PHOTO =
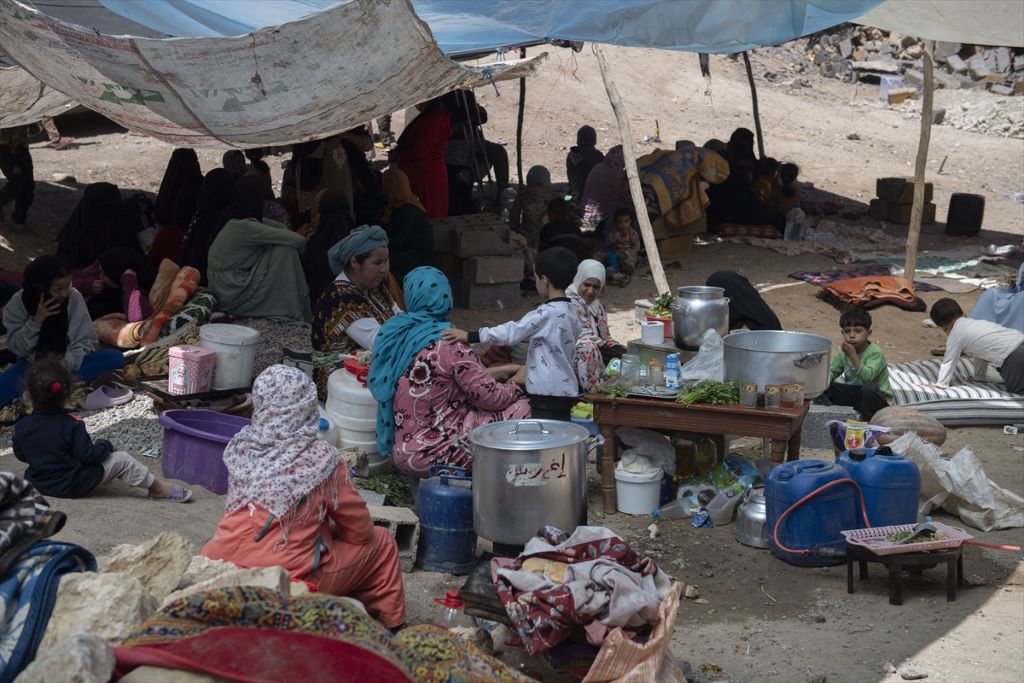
(119, 94)
(237, 99)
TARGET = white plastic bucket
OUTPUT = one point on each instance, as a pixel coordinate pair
(638, 494)
(235, 346)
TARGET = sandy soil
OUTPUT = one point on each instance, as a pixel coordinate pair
(765, 620)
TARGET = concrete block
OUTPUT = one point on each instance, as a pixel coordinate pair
(404, 526)
(846, 48)
(979, 69)
(1004, 59)
(950, 81)
(956, 65)
(1000, 89)
(900, 213)
(900, 190)
(472, 242)
(944, 50)
(913, 77)
(879, 209)
(496, 297)
(815, 432)
(491, 270)
(1018, 87)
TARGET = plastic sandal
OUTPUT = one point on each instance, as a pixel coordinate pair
(178, 494)
(107, 397)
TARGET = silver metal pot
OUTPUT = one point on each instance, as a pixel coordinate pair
(771, 357)
(696, 310)
(752, 519)
(526, 474)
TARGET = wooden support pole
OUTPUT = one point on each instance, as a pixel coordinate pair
(519, 125)
(753, 97)
(917, 208)
(646, 231)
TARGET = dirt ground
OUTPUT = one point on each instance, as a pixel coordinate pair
(765, 620)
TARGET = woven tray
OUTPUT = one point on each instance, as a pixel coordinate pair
(876, 539)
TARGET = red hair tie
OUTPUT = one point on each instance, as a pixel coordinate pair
(55, 388)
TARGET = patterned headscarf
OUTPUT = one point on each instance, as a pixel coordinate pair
(277, 459)
(428, 301)
(362, 240)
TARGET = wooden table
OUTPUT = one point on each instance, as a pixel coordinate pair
(781, 426)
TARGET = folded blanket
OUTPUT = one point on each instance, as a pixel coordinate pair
(27, 594)
(25, 518)
(873, 291)
(600, 587)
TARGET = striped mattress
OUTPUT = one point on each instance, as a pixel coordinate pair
(968, 402)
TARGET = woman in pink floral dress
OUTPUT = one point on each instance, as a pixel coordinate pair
(432, 393)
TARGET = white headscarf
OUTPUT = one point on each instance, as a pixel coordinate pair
(588, 268)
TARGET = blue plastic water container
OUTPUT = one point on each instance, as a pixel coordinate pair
(817, 523)
(890, 482)
(445, 507)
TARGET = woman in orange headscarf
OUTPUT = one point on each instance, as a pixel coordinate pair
(410, 235)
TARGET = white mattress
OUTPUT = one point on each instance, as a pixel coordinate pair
(967, 402)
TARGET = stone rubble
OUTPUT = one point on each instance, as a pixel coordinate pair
(109, 605)
(79, 657)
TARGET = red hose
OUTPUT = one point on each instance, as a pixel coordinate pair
(794, 506)
(994, 546)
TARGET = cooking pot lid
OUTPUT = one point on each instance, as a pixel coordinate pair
(528, 435)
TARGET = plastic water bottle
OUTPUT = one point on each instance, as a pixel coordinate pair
(672, 371)
(452, 616)
(794, 225)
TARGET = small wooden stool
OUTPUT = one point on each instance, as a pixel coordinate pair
(916, 562)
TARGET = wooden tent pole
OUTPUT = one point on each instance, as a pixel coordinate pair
(646, 231)
(753, 97)
(917, 209)
(519, 124)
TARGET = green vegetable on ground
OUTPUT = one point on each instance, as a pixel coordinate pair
(710, 391)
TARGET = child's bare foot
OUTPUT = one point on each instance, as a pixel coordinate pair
(163, 490)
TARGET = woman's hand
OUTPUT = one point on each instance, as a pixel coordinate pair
(47, 308)
(502, 373)
(454, 334)
(520, 376)
(97, 285)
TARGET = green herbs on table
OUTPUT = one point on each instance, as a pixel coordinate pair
(923, 537)
(613, 390)
(662, 307)
(710, 391)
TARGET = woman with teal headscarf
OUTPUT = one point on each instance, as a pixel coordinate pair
(350, 311)
(432, 393)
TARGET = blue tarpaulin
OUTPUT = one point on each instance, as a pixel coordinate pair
(462, 26)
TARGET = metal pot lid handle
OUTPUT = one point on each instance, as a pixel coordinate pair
(809, 360)
(536, 423)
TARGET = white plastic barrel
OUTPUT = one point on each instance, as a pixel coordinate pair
(352, 410)
(235, 346)
(637, 493)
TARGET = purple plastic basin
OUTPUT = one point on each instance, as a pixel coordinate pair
(193, 446)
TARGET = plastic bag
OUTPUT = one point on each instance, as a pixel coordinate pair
(960, 486)
(625, 660)
(709, 363)
(651, 445)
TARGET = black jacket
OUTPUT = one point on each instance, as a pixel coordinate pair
(62, 459)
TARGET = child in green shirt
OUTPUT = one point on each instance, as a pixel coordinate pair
(861, 365)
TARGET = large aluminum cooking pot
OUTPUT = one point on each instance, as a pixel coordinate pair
(770, 357)
(526, 474)
(696, 310)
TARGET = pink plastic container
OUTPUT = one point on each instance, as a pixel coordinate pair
(190, 369)
(193, 446)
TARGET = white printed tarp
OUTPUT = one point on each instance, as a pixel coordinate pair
(302, 80)
(24, 99)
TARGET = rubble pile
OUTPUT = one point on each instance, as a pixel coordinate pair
(852, 52)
